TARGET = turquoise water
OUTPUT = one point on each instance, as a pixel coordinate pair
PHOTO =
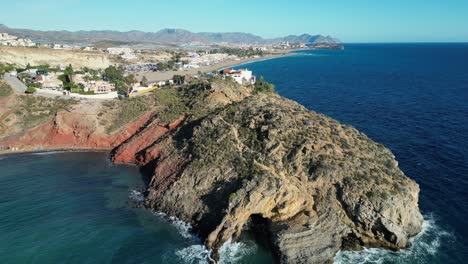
(73, 208)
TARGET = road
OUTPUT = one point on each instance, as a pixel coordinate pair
(15, 83)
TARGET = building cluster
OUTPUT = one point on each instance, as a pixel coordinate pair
(124, 53)
(243, 77)
(90, 84)
(145, 67)
(51, 80)
(10, 40)
(289, 45)
(194, 60)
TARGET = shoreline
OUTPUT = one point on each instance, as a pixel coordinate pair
(288, 54)
(166, 75)
(59, 150)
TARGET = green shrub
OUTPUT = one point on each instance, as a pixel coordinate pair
(262, 86)
(5, 89)
(232, 196)
(129, 110)
(30, 90)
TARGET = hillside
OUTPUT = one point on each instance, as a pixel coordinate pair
(21, 56)
(164, 36)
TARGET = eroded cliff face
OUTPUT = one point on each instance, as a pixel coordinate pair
(318, 185)
(71, 131)
(21, 56)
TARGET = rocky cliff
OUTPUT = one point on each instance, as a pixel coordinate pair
(317, 185)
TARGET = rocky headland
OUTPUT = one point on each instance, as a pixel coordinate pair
(225, 157)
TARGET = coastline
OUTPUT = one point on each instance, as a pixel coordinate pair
(20, 152)
(166, 75)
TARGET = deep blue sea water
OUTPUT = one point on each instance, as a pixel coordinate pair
(413, 98)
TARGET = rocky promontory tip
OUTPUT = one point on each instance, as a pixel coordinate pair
(317, 185)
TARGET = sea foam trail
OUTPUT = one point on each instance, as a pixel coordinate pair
(424, 246)
(49, 152)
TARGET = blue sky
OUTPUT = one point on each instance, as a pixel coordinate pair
(348, 20)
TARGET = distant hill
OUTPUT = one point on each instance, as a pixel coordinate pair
(164, 36)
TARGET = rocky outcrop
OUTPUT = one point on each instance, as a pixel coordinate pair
(318, 185)
(139, 143)
(69, 130)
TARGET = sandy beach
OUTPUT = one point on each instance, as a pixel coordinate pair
(166, 75)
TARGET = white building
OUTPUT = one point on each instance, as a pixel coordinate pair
(191, 66)
(99, 87)
(241, 76)
(124, 53)
(119, 51)
(10, 40)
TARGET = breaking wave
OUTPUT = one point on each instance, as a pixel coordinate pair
(232, 252)
(184, 229)
(229, 253)
(424, 247)
(195, 254)
(136, 196)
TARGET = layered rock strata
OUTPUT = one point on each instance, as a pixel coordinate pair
(319, 186)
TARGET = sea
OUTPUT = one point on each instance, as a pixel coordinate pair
(77, 207)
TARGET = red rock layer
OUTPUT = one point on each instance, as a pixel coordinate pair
(72, 131)
(143, 140)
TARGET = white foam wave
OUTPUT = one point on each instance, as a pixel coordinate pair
(229, 253)
(195, 254)
(49, 152)
(424, 245)
(233, 252)
(136, 196)
(184, 228)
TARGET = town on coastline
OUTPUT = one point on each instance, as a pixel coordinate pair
(127, 72)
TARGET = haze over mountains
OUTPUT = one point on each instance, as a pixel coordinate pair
(164, 36)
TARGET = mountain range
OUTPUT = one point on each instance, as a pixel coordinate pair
(164, 36)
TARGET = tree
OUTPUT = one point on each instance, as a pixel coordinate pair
(67, 78)
(129, 81)
(113, 73)
(178, 79)
(262, 86)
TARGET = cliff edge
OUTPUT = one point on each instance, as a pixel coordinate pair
(266, 162)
